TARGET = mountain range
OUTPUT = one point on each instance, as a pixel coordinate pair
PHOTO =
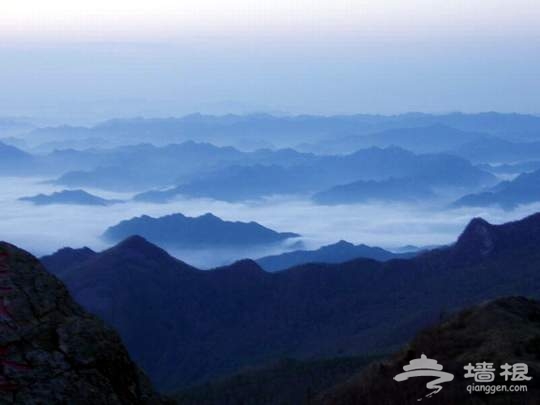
(524, 189)
(434, 138)
(240, 182)
(391, 190)
(70, 197)
(13, 160)
(497, 150)
(203, 170)
(339, 252)
(206, 231)
(186, 326)
(282, 130)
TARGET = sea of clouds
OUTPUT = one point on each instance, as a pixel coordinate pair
(44, 229)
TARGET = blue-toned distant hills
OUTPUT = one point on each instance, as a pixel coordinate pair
(429, 139)
(289, 130)
(206, 231)
(391, 190)
(339, 252)
(430, 154)
(75, 197)
(524, 189)
(145, 166)
(14, 161)
(236, 183)
(498, 150)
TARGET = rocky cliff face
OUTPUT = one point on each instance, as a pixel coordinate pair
(54, 352)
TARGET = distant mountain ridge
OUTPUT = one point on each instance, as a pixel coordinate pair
(524, 189)
(434, 138)
(205, 231)
(75, 197)
(338, 252)
(13, 160)
(385, 166)
(498, 150)
(306, 128)
(391, 190)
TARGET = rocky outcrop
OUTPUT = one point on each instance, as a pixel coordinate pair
(54, 352)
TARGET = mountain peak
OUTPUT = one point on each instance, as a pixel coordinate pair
(137, 242)
(140, 245)
(478, 237)
(210, 216)
(245, 266)
(342, 243)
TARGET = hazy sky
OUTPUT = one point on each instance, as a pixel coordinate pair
(73, 60)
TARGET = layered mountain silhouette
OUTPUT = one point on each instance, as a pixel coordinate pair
(71, 197)
(506, 330)
(13, 160)
(512, 168)
(241, 182)
(283, 130)
(185, 325)
(391, 190)
(426, 139)
(52, 350)
(205, 231)
(497, 150)
(524, 189)
(143, 166)
(339, 252)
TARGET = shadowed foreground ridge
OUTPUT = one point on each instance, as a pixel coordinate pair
(51, 350)
(506, 330)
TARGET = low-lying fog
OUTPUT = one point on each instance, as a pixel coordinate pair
(44, 229)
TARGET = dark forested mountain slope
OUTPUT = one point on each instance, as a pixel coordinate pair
(185, 325)
(506, 330)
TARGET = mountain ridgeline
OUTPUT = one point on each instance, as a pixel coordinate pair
(524, 189)
(72, 197)
(206, 324)
(339, 252)
(205, 231)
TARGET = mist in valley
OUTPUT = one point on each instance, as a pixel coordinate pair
(44, 229)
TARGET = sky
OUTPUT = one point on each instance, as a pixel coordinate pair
(81, 61)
